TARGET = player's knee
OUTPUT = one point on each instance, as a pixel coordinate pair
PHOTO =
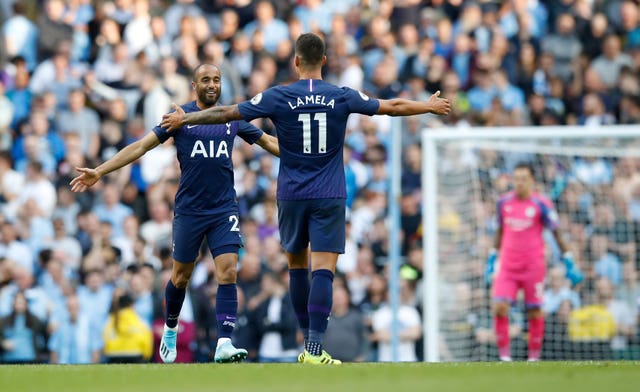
(181, 274)
(298, 260)
(501, 309)
(180, 280)
(298, 264)
(227, 274)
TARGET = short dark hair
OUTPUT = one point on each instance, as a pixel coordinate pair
(195, 71)
(310, 49)
(526, 166)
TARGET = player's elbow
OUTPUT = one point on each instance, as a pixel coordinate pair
(390, 107)
(140, 150)
(231, 113)
(227, 116)
(396, 108)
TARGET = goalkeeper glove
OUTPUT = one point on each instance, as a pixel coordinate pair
(489, 268)
(573, 272)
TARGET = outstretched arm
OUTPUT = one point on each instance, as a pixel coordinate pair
(213, 115)
(489, 267)
(497, 239)
(130, 153)
(406, 107)
(560, 241)
(574, 274)
(269, 143)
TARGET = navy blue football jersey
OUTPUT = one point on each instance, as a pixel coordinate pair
(204, 153)
(310, 117)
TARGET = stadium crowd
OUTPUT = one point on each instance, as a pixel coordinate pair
(82, 275)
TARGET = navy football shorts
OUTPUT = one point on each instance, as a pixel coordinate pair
(319, 221)
(222, 232)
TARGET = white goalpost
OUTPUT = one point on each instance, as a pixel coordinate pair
(583, 171)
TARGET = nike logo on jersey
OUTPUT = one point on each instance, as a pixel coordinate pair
(191, 126)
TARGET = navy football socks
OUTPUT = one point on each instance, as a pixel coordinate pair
(174, 297)
(299, 293)
(320, 301)
(226, 309)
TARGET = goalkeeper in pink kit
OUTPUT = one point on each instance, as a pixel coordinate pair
(522, 217)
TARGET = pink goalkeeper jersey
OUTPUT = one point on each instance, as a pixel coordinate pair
(522, 223)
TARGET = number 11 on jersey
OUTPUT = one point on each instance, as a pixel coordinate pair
(305, 119)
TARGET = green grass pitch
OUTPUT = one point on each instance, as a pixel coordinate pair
(448, 377)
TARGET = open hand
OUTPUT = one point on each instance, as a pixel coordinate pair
(87, 178)
(573, 272)
(174, 120)
(439, 106)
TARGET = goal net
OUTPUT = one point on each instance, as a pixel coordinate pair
(592, 175)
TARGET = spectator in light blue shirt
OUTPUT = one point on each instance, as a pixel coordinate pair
(40, 228)
(593, 171)
(535, 13)
(48, 149)
(607, 264)
(74, 341)
(511, 97)
(54, 282)
(558, 292)
(13, 249)
(314, 15)
(39, 304)
(273, 30)
(95, 300)
(112, 210)
(21, 36)
(82, 14)
(58, 75)
(19, 93)
(141, 288)
(482, 94)
(339, 6)
(462, 58)
(22, 335)
(176, 12)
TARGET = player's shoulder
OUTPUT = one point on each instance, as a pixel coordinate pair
(346, 90)
(279, 89)
(190, 107)
(354, 95)
(506, 197)
(271, 94)
(541, 199)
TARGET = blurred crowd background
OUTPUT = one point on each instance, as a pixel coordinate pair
(80, 79)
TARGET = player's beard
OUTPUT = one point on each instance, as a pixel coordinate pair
(204, 98)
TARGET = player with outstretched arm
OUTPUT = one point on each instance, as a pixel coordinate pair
(310, 116)
(522, 216)
(205, 207)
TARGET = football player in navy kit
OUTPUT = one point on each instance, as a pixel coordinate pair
(205, 207)
(310, 116)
